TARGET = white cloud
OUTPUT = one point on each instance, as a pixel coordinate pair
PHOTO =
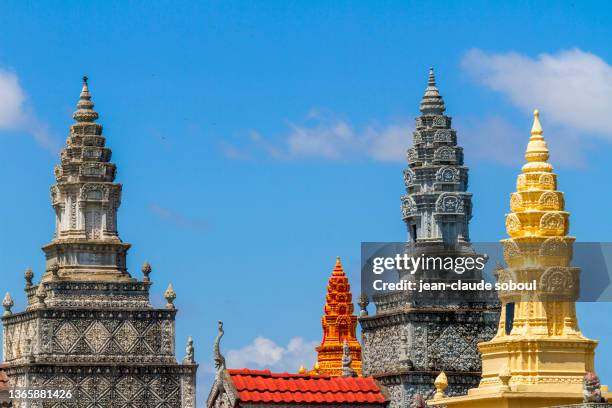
(264, 353)
(494, 139)
(330, 139)
(572, 88)
(14, 114)
(12, 97)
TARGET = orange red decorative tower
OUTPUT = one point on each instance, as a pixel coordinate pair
(339, 325)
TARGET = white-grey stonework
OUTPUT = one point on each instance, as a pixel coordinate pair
(408, 341)
(89, 326)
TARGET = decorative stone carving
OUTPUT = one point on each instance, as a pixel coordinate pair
(408, 177)
(516, 201)
(552, 222)
(450, 203)
(513, 224)
(417, 138)
(439, 121)
(408, 206)
(445, 154)
(443, 136)
(547, 181)
(559, 283)
(448, 175)
(549, 200)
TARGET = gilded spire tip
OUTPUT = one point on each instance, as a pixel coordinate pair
(537, 150)
(536, 129)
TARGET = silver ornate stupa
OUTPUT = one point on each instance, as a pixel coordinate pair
(89, 326)
(409, 340)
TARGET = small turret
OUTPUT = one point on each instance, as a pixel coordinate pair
(146, 271)
(170, 297)
(7, 303)
(28, 275)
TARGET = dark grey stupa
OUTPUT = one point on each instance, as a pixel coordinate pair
(410, 340)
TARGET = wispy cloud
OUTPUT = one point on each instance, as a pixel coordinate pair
(265, 353)
(15, 115)
(572, 88)
(329, 138)
(494, 139)
(177, 218)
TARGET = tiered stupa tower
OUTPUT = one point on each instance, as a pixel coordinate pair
(339, 326)
(89, 326)
(539, 357)
(410, 340)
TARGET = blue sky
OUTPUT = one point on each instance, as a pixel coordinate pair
(257, 141)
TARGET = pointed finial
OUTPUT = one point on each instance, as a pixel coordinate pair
(338, 270)
(146, 271)
(170, 296)
(347, 370)
(432, 102)
(41, 294)
(432, 78)
(363, 304)
(189, 352)
(7, 303)
(302, 370)
(29, 275)
(316, 368)
(85, 112)
(536, 129)
(219, 359)
(537, 150)
(441, 384)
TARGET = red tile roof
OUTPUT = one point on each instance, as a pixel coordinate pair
(4, 383)
(263, 386)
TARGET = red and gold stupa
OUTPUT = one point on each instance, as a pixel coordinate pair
(339, 324)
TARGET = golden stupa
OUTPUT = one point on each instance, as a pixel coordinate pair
(538, 357)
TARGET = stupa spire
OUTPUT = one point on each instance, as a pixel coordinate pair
(538, 357)
(339, 326)
(85, 112)
(537, 151)
(436, 172)
(86, 244)
(432, 102)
